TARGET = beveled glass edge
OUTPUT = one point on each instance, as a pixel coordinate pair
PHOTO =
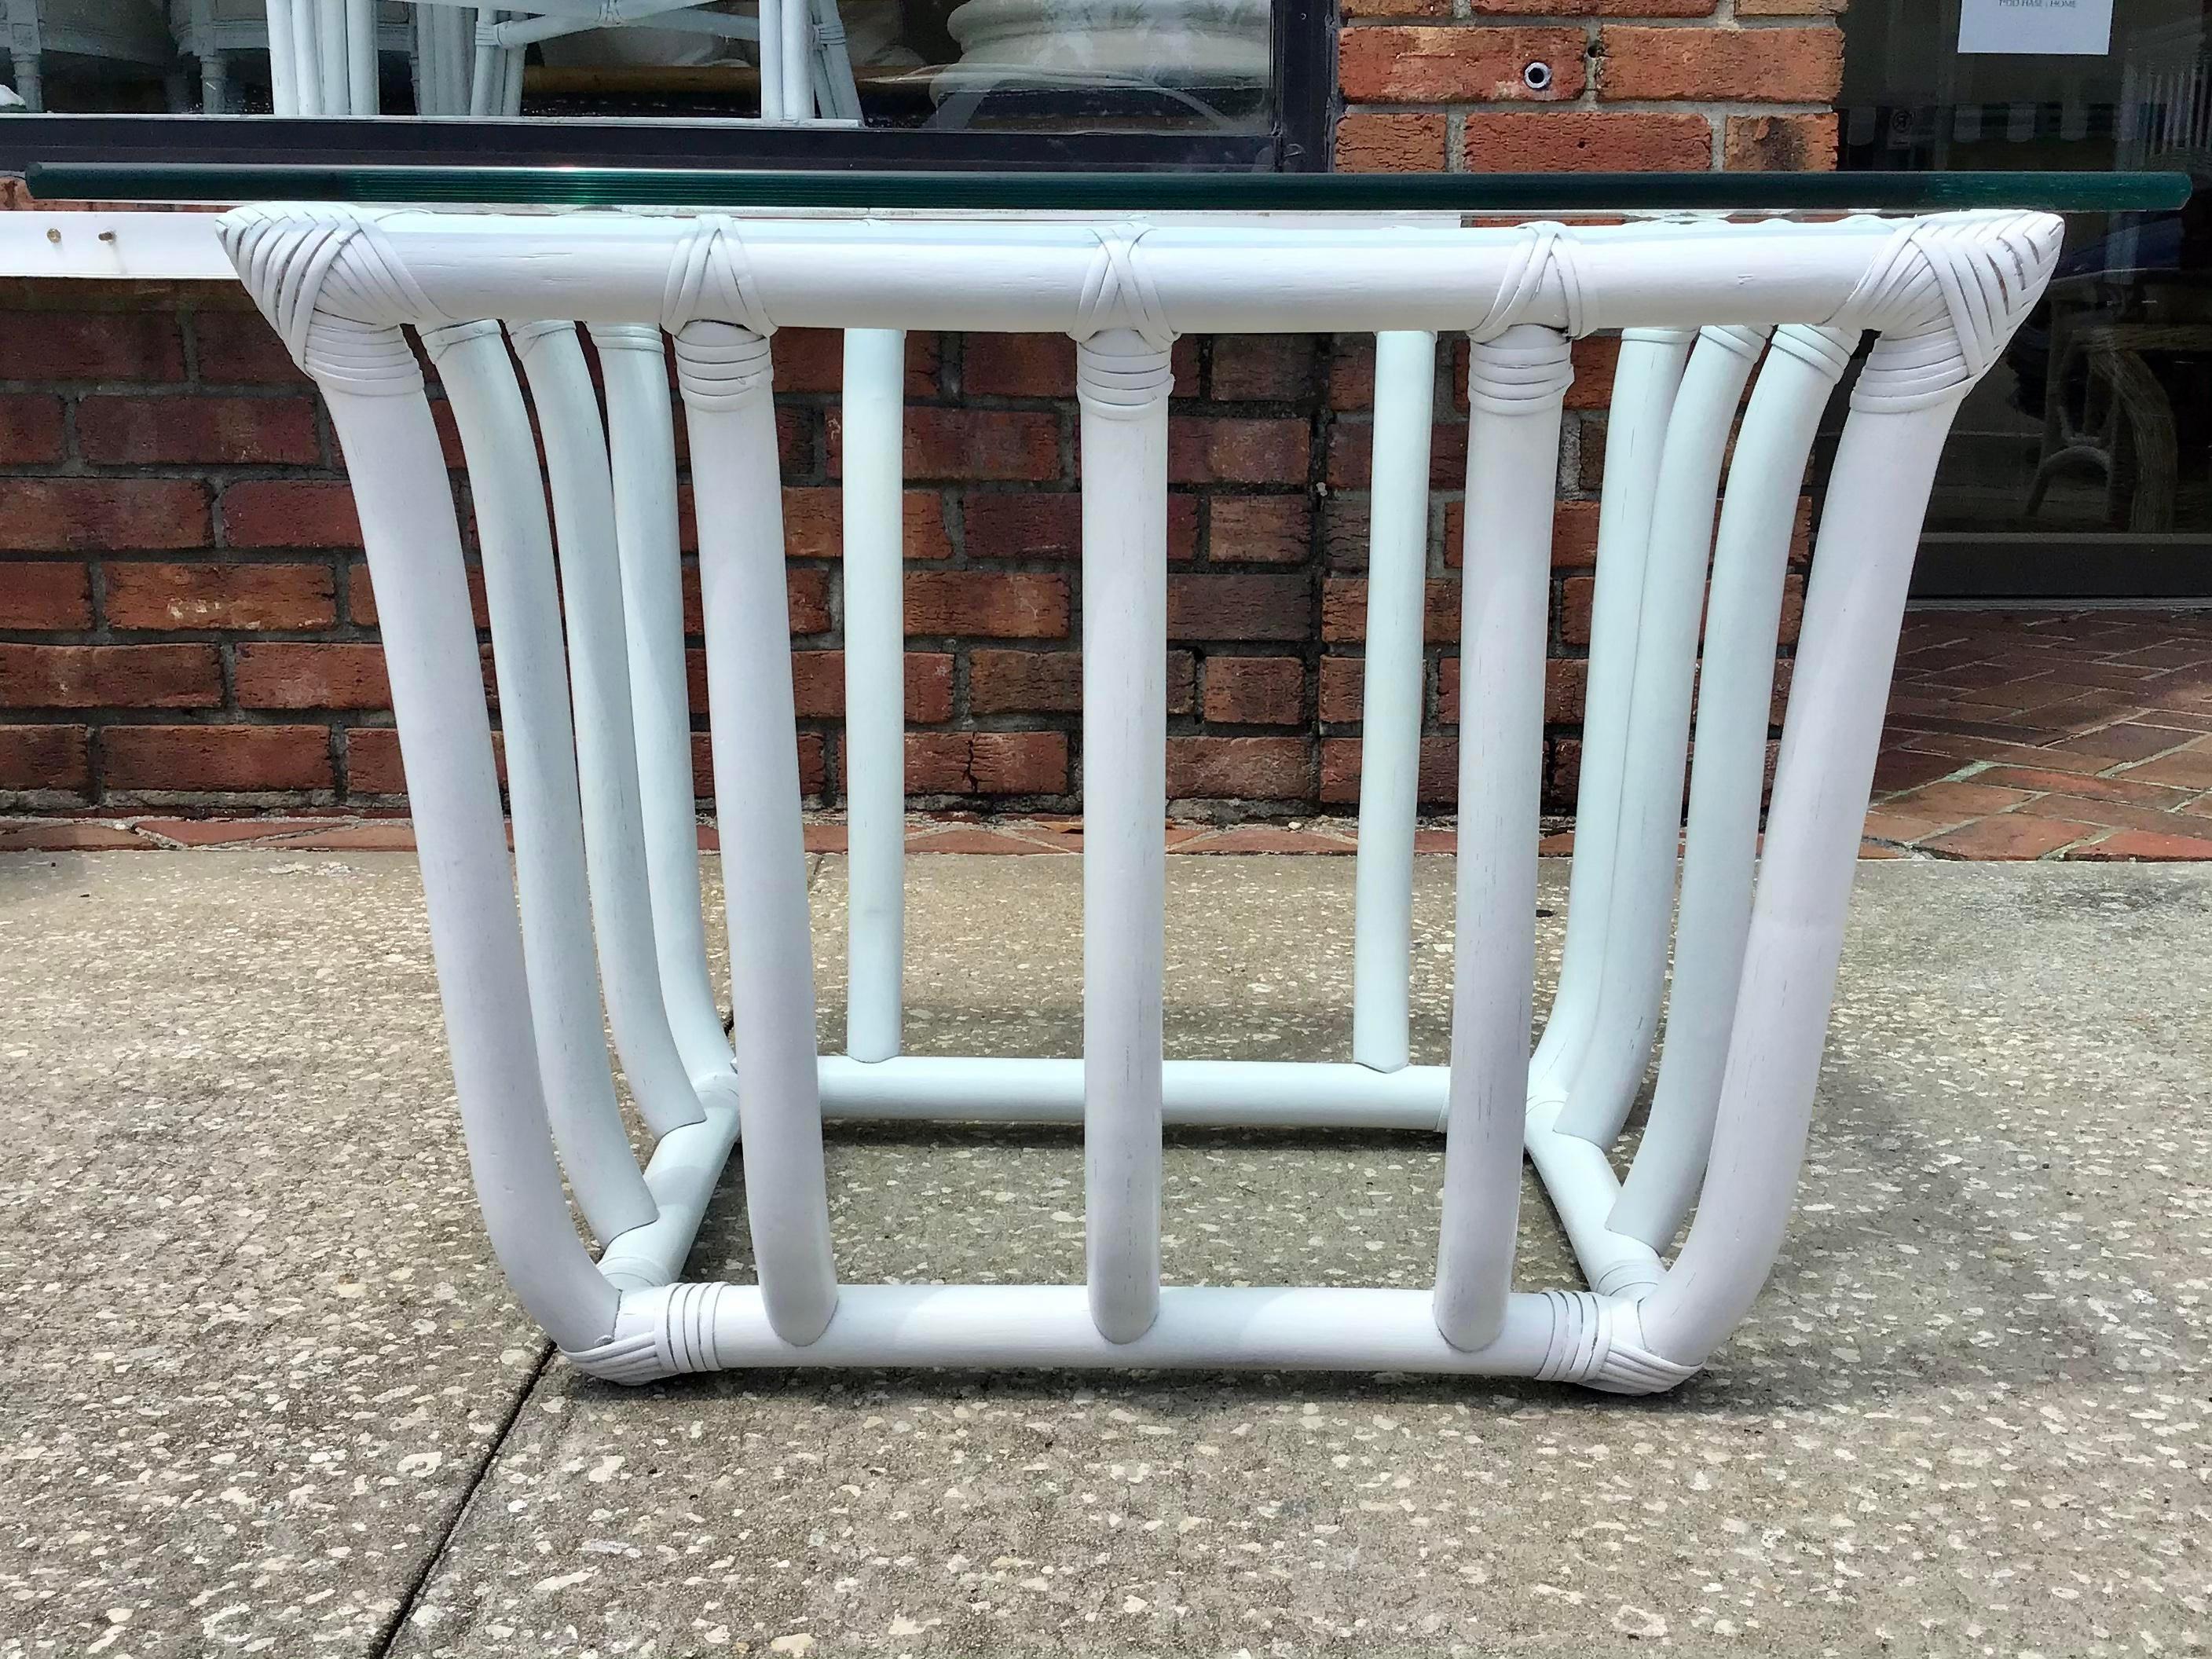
(1114, 192)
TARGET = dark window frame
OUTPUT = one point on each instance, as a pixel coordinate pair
(1302, 63)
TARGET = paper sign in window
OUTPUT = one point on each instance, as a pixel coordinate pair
(2036, 28)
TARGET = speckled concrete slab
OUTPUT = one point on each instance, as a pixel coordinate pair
(1969, 1416)
(255, 1353)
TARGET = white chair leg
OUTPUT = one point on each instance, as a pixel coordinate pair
(487, 79)
(307, 57)
(1390, 707)
(772, 92)
(331, 35)
(362, 90)
(837, 93)
(1122, 381)
(284, 60)
(797, 28)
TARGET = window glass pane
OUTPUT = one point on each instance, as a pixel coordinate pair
(2082, 466)
(1195, 66)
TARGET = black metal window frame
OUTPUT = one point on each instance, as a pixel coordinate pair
(1302, 60)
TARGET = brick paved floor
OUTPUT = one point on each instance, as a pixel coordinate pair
(2011, 735)
(2049, 734)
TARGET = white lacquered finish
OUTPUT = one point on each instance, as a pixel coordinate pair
(1754, 945)
(1645, 380)
(875, 690)
(725, 373)
(641, 454)
(1633, 982)
(1515, 384)
(1390, 706)
(515, 546)
(1122, 379)
(606, 754)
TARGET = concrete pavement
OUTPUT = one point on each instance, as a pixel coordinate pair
(262, 1392)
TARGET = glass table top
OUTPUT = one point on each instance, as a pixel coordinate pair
(1114, 192)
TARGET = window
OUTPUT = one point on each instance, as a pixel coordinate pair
(2081, 467)
(1002, 83)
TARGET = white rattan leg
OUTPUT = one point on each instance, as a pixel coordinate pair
(642, 450)
(284, 60)
(1644, 384)
(1515, 386)
(516, 549)
(725, 374)
(307, 57)
(437, 693)
(1123, 380)
(795, 27)
(1390, 707)
(1633, 984)
(875, 690)
(606, 749)
(1735, 687)
(1877, 495)
(771, 57)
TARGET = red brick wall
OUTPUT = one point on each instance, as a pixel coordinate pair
(1635, 85)
(186, 622)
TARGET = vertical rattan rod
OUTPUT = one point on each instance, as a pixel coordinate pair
(875, 690)
(1122, 379)
(606, 747)
(1632, 985)
(1736, 688)
(408, 529)
(1645, 380)
(515, 547)
(1516, 385)
(725, 374)
(642, 452)
(1877, 497)
(1390, 706)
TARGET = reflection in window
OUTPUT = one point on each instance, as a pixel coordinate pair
(1044, 66)
(2098, 424)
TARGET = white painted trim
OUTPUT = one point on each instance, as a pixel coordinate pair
(125, 246)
